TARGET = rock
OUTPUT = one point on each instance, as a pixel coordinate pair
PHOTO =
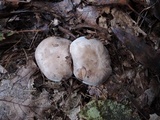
(53, 58)
(91, 61)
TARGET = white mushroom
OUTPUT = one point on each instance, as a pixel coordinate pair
(91, 61)
(53, 58)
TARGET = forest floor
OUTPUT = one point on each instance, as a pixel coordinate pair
(129, 29)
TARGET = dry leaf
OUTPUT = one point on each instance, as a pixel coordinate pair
(104, 2)
(63, 7)
(142, 52)
(72, 107)
(2, 69)
(16, 100)
(89, 14)
(122, 20)
(154, 117)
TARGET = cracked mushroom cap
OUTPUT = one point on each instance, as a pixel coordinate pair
(91, 61)
(53, 58)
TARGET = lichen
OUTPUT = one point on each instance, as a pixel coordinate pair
(106, 110)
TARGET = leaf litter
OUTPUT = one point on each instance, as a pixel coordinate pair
(128, 28)
(16, 97)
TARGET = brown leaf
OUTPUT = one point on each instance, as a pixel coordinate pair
(16, 100)
(2, 69)
(121, 19)
(103, 2)
(63, 7)
(143, 53)
(89, 14)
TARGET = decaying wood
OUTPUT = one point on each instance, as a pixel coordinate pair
(142, 52)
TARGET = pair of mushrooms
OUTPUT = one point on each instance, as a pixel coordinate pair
(91, 61)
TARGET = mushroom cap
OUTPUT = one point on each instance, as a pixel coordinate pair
(53, 58)
(91, 61)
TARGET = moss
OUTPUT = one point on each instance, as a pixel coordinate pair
(106, 110)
